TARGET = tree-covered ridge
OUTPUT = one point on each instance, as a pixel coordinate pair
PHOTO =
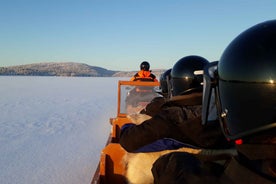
(57, 69)
(65, 69)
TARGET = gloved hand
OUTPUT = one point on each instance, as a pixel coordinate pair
(154, 106)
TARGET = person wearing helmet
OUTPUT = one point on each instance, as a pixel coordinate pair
(144, 74)
(183, 167)
(139, 93)
(245, 88)
(178, 122)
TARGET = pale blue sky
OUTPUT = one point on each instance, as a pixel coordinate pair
(120, 34)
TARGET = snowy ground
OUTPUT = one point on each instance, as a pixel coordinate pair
(52, 129)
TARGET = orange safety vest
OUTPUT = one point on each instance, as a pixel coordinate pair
(143, 75)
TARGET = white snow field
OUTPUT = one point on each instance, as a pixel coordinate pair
(52, 129)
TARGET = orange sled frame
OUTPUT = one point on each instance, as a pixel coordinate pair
(111, 168)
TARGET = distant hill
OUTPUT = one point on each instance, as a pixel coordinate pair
(56, 69)
(66, 69)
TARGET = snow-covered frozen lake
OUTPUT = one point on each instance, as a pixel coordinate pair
(52, 129)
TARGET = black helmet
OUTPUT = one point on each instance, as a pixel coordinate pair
(164, 79)
(145, 66)
(186, 75)
(247, 82)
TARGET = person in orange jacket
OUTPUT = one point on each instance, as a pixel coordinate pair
(144, 74)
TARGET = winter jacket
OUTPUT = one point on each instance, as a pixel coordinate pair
(175, 121)
(143, 75)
